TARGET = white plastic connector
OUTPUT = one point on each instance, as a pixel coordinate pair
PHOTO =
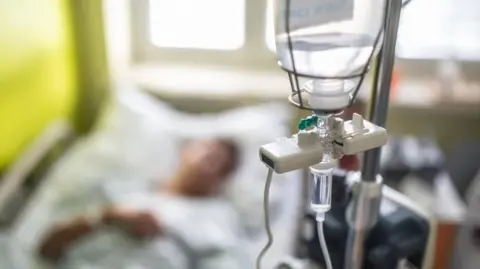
(289, 154)
(327, 94)
(360, 135)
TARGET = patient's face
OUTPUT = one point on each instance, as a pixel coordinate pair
(208, 163)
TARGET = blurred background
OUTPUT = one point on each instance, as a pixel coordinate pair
(89, 86)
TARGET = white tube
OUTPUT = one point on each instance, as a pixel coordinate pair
(266, 210)
(323, 244)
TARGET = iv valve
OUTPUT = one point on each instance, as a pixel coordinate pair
(305, 149)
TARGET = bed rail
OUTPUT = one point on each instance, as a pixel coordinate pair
(22, 178)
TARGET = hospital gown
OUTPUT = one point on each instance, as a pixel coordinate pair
(199, 234)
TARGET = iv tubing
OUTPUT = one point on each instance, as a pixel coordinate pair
(266, 210)
(323, 245)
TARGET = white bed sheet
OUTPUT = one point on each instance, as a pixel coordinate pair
(85, 168)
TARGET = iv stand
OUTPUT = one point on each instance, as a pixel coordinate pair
(363, 211)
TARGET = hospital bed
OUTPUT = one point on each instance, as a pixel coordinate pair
(21, 181)
(107, 163)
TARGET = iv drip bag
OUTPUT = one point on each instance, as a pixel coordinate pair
(330, 40)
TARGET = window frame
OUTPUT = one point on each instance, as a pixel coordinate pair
(253, 54)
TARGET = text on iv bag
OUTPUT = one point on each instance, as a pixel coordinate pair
(308, 13)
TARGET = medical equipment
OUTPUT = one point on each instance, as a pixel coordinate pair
(403, 232)
(466, 253)
(333, 43)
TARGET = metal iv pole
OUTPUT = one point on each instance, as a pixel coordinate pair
(363, 210)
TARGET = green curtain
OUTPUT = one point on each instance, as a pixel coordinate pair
(92, 70)
(52, 66)
(37, 71)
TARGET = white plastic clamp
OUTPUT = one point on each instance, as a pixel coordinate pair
(288, 154)
(359, 135)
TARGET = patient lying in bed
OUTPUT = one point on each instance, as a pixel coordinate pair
(182, 224)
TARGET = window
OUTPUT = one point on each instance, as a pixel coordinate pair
(193, 24)
(448, 30)
(212, 32)
(440, 29)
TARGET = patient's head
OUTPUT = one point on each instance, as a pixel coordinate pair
(205, 165)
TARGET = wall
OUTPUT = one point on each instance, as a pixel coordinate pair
(37, 73)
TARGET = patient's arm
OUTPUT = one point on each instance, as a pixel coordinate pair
(63, 235)
(136, 223)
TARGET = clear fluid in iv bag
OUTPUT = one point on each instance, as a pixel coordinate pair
(326, 55)
(321, 190)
